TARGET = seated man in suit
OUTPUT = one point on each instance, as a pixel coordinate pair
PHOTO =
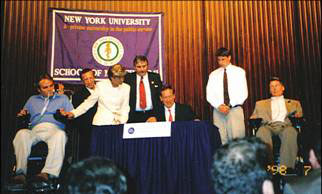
(275, 112)
(84, 122)
(44, 127)
(145, 91)
(172, 111)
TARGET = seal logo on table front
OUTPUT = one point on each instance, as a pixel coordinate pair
(146, 130)
(131, 130)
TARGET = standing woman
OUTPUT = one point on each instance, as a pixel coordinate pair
(112, 96)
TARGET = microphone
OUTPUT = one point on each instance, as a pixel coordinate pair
(69, 91)
(65, 90)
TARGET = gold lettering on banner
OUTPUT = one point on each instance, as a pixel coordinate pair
(116, 29)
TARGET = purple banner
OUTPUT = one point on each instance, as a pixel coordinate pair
(98, 40)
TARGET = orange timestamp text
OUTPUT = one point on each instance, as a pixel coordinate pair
(282, 169)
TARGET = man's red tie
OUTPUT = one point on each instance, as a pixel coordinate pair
(142, 95)
(170, 116)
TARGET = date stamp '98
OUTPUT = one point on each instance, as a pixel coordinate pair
(282, 169)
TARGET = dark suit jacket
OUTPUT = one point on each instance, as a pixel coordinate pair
(155, 87)
(78, 98)
(84, 122)
(183, 112)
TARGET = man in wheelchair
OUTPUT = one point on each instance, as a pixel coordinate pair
(43, 127)
(275, 113)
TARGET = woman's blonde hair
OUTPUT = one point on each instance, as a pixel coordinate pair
(116, 70)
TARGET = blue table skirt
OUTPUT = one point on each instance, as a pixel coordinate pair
(179, 164)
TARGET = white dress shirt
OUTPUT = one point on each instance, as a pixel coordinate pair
(237, 86)
(146, 83)
(173, 112)
(113, 103)
(278, 107)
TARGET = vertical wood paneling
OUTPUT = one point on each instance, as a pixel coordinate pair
(263, 41)
(266, 38)
(309, 58)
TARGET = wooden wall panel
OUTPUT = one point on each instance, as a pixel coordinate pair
(266, 38)
(270, 38)
(308, 55)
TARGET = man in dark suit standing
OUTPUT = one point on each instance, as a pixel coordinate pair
(145, 91)
(172, 111)
(84, 122)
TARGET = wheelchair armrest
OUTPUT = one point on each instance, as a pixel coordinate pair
(255, 123)
(297, 122)
(22, 122)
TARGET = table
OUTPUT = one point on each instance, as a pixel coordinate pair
(179, 164)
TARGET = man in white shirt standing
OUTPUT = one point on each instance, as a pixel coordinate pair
(275, 112)
(226, 92)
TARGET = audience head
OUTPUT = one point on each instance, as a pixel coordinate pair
(223, 56)
(116, 74)
(141, 65)
(95, 175)
(46, 85)
(240, 167)
(276, 87)
(88, 77)
(167, 96)
(315, 152)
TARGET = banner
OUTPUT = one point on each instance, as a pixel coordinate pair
(98, 40)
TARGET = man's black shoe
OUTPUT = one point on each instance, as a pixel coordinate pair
(44, 183)
(16, 183)
(18, 179)
(12, 187)
(42, 177)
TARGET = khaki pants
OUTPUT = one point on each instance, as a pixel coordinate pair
(47, 132)
(288, 136)
(231, 125)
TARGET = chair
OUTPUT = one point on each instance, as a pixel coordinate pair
(254, 125)
(279, 180)
(37, 158)
(297, 123)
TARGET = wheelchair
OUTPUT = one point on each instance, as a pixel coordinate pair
(279, 180)
(37, 158)
(297, 123)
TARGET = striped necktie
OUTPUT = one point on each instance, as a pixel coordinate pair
(226, 95)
